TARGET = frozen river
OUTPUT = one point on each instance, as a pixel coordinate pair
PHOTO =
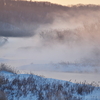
(73, 77)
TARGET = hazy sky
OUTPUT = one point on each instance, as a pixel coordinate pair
(68, 2)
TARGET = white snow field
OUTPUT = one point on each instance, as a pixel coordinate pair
(33, 87)
(65, 71)
(63, 67)
(73, 77)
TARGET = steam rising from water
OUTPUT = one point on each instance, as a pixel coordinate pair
(73, 36)
(3, 41)
(79, 45)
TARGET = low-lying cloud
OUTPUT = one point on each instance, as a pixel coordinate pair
(72, 36)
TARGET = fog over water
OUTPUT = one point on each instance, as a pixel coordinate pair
(69, 36)
(55, 45)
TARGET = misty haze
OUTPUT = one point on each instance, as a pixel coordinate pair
(61, 42)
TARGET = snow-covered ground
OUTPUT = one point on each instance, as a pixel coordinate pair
(66, 71)
(37, 88)
(95, 95)
(73, 77)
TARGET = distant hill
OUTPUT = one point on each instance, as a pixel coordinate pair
(18, 12)
(26, 16)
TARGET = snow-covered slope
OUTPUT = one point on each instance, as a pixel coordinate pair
(32, 87)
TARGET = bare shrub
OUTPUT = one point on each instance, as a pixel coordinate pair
(4, 67)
